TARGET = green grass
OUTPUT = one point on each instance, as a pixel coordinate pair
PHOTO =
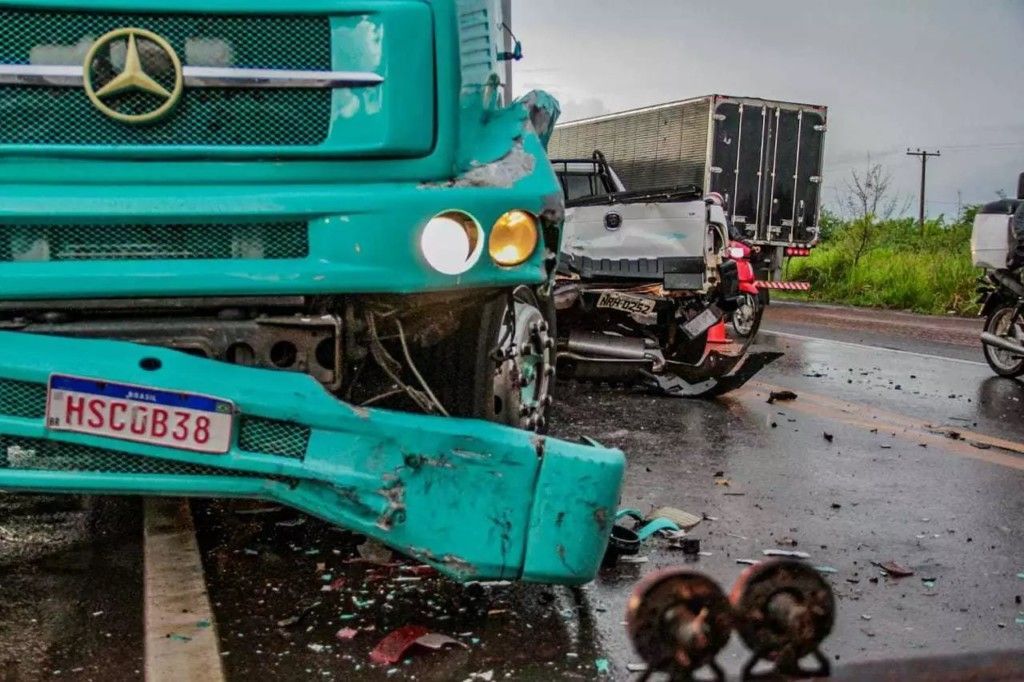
(901, 269)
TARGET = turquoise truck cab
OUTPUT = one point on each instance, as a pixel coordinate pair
(294, 251)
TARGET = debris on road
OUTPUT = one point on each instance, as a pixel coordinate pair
(781, 396)
(685, 520)
(789, 554)
(346, 634)
(689, 546)
(894, 569)
(437, 641)
(375, 553)
(394, 646)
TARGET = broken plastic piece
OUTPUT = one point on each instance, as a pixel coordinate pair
(654, 526)
(894, 569)
(787, 553)
(685, 520)
(392, 648)
(437, 641)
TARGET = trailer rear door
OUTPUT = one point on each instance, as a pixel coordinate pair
(795, 171)
(766, 160)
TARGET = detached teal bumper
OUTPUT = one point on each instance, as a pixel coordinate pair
(476, 500)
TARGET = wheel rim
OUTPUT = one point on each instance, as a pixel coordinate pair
(1003, 325)
(743, 318)
(522, 379)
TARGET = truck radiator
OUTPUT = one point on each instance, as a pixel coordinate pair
(208, 117)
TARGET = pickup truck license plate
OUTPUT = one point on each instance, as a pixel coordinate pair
(626, 303)
(184, 421)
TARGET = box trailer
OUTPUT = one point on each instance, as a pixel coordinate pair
(763, 156)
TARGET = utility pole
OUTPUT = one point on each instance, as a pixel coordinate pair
(924, 172)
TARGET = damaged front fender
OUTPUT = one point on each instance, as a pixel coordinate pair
(476, 500)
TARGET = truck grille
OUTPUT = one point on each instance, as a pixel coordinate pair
(272, 437)
(256, 241)
(34, 455)
(46, 455)
(22, 399)
(206, 117)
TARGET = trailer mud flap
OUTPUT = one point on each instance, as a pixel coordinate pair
(476, 500)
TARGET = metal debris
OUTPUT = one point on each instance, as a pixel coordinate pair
(781, 396)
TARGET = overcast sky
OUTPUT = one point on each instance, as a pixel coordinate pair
(936, 74)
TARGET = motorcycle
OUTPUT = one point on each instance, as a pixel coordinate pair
(746, 319)
(1002, 299)
(1001, 289)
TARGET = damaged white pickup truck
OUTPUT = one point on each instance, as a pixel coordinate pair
(643, 278)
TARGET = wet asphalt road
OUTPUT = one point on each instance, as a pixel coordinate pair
(925, 467)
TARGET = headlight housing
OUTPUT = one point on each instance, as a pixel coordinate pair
(514, 238)
(452, 242)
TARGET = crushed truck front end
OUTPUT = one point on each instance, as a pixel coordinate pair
(241, 248)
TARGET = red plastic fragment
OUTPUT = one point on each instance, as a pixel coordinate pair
(346, 633)
(392, 648)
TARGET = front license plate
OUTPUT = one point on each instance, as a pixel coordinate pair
(626, 303)
(185, 421)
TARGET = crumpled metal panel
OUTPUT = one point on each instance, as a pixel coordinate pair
(476, 500)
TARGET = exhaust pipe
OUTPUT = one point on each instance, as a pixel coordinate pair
(622, 347)
(1005, 280)
(1002, 344)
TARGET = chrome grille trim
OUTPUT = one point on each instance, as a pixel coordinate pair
(198, 77)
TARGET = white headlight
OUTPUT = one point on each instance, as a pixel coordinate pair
(452, 242)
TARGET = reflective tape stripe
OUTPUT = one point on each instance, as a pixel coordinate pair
(785, 286)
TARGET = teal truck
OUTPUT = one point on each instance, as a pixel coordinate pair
(296, 251)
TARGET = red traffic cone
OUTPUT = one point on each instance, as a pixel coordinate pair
(717, 333)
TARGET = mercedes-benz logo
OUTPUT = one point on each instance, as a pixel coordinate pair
(108, 91)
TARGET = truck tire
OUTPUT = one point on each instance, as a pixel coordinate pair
(476, 374)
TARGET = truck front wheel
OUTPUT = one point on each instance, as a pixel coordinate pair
(500, 365)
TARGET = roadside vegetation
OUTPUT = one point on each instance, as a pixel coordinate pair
(873, 259)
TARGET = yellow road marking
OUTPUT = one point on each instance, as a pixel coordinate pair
(181, 639)
(1003, 453)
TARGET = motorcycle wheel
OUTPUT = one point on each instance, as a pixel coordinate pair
(746, 321)
(1005, 322)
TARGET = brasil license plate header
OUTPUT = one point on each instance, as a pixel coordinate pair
(185, 421)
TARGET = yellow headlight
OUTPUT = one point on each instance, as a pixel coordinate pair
(514, 238)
